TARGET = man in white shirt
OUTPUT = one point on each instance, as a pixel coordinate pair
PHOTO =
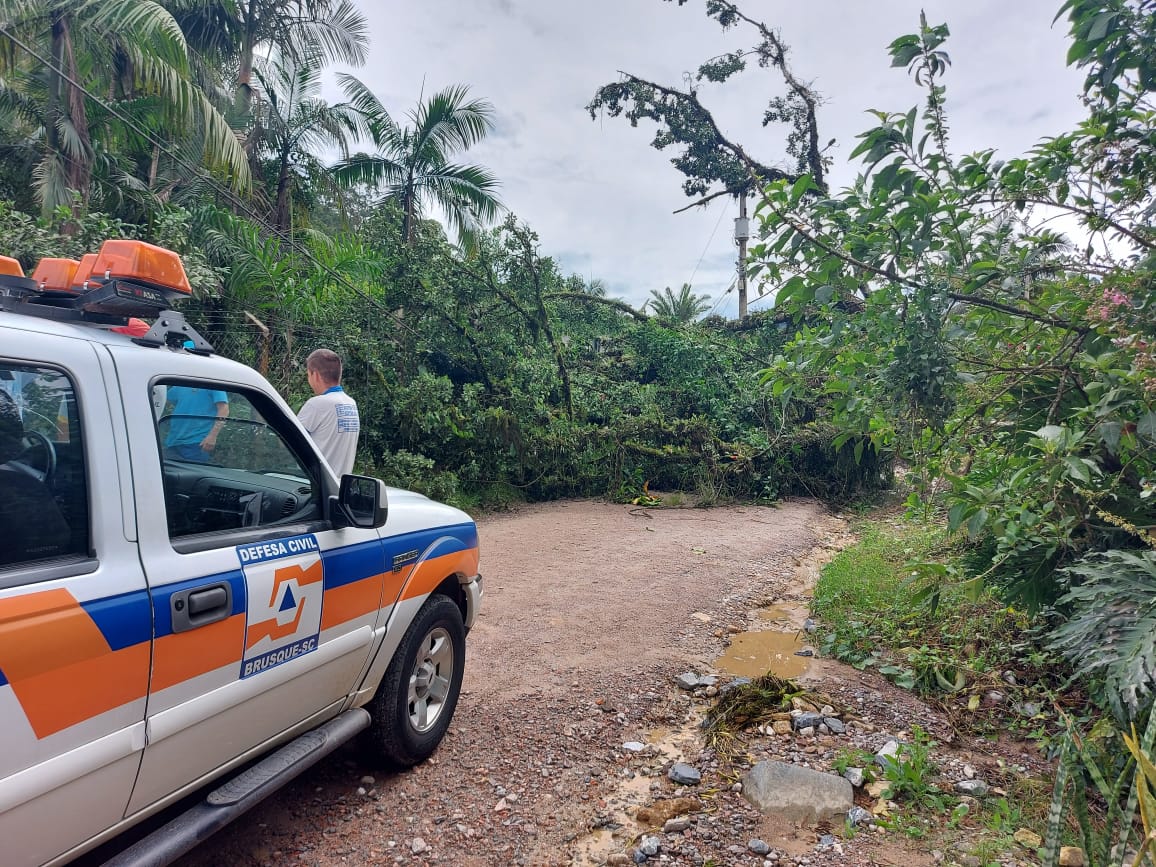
(330, 416)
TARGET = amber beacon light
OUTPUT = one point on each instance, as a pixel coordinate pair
(55, 275)
(141, 263)
(10, 267)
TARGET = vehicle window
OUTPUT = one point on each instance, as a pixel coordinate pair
(226, 466)
(43, 488)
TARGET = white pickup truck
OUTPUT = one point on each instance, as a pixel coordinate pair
(169, 623)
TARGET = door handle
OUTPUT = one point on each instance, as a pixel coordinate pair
(200, 606)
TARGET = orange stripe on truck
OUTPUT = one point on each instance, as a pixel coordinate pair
(185, 655)
(350, 601)
(432, 572)
(59, 665)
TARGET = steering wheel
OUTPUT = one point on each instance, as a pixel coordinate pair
(38, 443)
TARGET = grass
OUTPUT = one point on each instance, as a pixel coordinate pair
(898, 602)
(894, 603)
(871, 579)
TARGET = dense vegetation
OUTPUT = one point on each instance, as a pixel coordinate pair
(484, 373)
(1013, 367)
(989, 321)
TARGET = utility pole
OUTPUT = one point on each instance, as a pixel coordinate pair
(742, 235)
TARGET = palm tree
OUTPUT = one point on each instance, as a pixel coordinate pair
(332, 31)
(412, 164)
(683, 308)
(291, 122)
(132, 54)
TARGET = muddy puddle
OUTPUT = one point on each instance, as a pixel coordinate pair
(753, 654)
(772, 643)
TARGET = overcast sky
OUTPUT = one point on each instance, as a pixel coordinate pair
(601, 198)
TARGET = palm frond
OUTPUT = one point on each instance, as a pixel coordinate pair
(72, 143)
(341, 35)
(466, 187)
(371, 171)
(1111, 633)
(151, 25)
(451, 123)
(376, 124)
(212, 28)
(50, 179)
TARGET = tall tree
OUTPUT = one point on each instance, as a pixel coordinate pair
(713, 164)
(292, 122)
(413, 167)
(333, 31)
(130, 53)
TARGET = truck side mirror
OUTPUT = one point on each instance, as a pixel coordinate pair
(361, 502)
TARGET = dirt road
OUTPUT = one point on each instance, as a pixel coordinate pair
(590, 610)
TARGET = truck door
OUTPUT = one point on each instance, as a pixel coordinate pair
(75, 620)
(264, 613)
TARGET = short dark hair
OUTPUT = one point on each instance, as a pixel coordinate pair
(325, 363)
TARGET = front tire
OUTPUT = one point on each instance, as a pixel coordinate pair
(416, 699)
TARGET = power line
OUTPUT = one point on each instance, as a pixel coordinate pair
(717, 224)
(198, 171)
(723, 295)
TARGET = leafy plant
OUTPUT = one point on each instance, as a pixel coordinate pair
(941, 317)
(911, 770)
(850, 757)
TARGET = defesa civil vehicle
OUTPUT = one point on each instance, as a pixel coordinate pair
(174, 621)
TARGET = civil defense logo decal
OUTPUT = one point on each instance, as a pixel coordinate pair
(285, 583)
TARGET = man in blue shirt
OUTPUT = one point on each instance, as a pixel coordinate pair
(197, 417)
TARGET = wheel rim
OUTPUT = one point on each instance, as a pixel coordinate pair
(429, 683)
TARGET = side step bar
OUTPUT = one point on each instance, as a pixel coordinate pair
(241, 793)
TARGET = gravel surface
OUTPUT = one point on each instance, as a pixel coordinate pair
(591, 610)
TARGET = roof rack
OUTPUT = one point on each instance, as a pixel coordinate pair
(126, 282)
(108, 303)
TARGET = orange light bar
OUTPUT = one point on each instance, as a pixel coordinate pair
(144, 263)
(55, 275)
(83, 272)
(10, 267)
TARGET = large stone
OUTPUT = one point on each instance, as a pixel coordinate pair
(1071, 856)
(807, 720)
(687, 680)
(975, 788)
(684, 774)
(797, 794)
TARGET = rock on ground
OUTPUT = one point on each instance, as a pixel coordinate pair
(797, 794)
